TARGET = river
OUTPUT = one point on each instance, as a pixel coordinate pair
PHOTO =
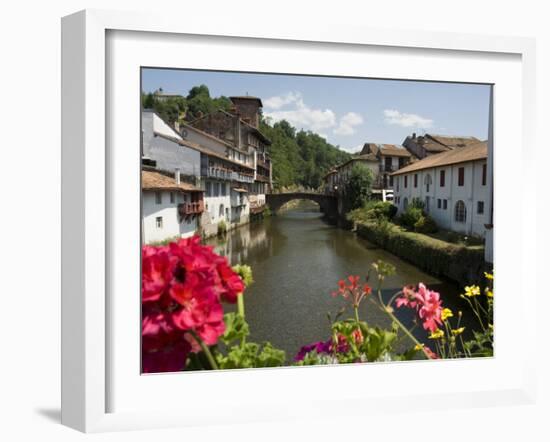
(297, 260)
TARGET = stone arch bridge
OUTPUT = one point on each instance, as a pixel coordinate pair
(327, 203)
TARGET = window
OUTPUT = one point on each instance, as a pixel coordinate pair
(223, 189)
(484, 175)
(405, 203)
(460, 212)
(391, 180)
(208, 188)
(158, 222)
(480, 207)
(415, 180)
(461, 176)
(439, 203)
(428, 182)
(172, 197)
(444, 204)
(441, 178)
(406, 181)
(158, 197)
(428, 204)
(222, 211)
(216, 189)
(397, 183)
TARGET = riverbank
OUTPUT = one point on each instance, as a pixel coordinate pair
(459, 263)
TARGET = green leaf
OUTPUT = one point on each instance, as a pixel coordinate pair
(236, 328)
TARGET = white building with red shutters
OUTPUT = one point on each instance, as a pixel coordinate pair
(455, 187)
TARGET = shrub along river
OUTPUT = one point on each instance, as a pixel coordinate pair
(297, 260)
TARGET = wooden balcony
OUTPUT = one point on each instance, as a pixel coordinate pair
(193, 208)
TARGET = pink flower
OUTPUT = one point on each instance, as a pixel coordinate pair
(430, 353)
(431, 308)
(426, 302)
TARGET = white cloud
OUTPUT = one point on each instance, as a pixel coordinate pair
(347, 123)
(301, 115)
(392, 116)
(279, 101)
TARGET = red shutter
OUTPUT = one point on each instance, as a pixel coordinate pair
(461, 176)
(442, 178)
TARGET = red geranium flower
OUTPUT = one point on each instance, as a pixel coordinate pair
(183, 286)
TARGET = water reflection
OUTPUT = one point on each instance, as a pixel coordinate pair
(297, 260)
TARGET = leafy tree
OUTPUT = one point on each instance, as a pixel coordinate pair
(359, 186)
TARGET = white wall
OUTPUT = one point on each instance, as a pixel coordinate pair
(216, 203)
(171, 227)
(470, 193)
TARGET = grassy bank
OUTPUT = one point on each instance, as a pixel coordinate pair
(460, 263)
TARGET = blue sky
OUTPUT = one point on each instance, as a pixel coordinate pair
(347, 111)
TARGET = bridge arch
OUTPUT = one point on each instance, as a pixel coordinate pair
(327, 203)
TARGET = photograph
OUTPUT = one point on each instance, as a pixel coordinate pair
(299, 220)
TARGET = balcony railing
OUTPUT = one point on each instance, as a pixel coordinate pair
(263, 164)
(241, 177)
(223, 174)
(192, 208)
(214, 172)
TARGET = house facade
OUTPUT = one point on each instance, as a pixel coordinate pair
(227, 175)
(240, 129)
(170, 208)
(390, 158)
(454, 187)
(335, 180)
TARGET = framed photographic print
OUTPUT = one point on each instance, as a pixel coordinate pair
(249, 219)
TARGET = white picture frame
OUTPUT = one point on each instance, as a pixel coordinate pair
(87, 215)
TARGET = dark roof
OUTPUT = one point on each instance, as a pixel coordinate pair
(246, 97)
(157, 181)
(441, 143)
(453, 141)
(385, 149)
(471, 152)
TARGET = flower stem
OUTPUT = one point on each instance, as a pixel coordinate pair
(240, 304)
(401, 326)
(205, 350)
(240, 310)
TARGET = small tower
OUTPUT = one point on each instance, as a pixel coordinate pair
(248, 108)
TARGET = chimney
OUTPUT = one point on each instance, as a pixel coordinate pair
(177, 175)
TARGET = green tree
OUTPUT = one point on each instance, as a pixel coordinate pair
(359, 186)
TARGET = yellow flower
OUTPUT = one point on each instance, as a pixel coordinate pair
(489, 276)
(418, 347)
(446, 313)
(458, 331)
(438, 334)
(491, 327)
(488, 292)
(472, 290)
